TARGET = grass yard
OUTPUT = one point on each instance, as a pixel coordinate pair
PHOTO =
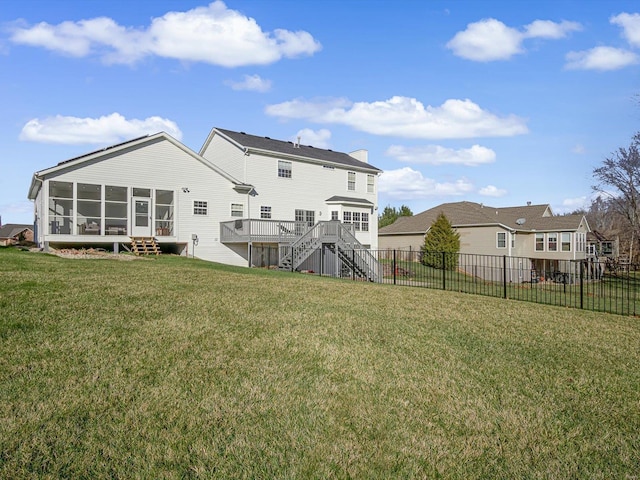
(175, 368)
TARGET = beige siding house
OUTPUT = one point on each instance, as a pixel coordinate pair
(532, 233)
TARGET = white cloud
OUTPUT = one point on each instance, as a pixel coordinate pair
(630, 24)
(492, 191)
(438, 155)
(490, 39)
(572, 204)
(549, 29)
(408, 184)
(601, 58)
(253, 83)
(213, 34)
(103, 130)
(316, 138)
(404, 117)
(486, 40)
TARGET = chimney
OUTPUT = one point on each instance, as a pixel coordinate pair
(528, 204)
(297, 144)
(361, 155)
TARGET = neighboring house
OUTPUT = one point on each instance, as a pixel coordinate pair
(529, 232)
(243, 200)
(602, 246)
(12, 233)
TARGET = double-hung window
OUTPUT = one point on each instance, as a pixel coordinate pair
(237, 210)
(284, 169)
(370, 183)
(502, 240)
(539, 242)
(565, 239)
(351, 181)
(200, 207)
(552, 242)
(365, 222)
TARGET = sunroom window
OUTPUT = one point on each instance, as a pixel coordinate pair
(89, 208)
(115, 210)
(164, 213)
(60, 207)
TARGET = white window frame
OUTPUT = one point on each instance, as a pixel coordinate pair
(365, 221)
(285, 169)
(265, 212)
(504, 240)
(549, 237)
(371, 182)
(201, 208)
(351, 181)
(563, 242)
(535, 242)
(237, 210)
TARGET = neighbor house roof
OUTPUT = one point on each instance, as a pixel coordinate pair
(12, 230)
(88, 157)
(288, 148)
(525, 218)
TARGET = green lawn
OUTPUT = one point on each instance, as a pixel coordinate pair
(176, 368)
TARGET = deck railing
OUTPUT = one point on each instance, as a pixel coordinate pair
(244, 230)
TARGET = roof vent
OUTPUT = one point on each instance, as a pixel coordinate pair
(521, 221)
(528, 204)
(297, 144)
(267, 138)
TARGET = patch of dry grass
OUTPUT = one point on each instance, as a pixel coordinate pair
(174, 368)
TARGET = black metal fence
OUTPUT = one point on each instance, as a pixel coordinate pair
(587, 284)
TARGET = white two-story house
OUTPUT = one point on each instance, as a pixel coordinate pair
(243, 200)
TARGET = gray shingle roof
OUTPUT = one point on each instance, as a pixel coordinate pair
(11, 230)
(280, 146)
(536, 217)
(338, 198)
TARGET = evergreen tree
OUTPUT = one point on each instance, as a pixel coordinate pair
(441, 245)
(390, 215)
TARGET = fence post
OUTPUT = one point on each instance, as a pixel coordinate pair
(291, 258)
(582, 284)
(504, 275)
(394, 266)
(444, 271)
(353, 263)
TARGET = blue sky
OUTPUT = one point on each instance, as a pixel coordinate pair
(498, 102)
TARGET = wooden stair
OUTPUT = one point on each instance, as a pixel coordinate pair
(144, 246)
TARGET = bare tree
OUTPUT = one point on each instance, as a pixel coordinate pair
(618, 178)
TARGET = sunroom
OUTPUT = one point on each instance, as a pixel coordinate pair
(86, 209)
